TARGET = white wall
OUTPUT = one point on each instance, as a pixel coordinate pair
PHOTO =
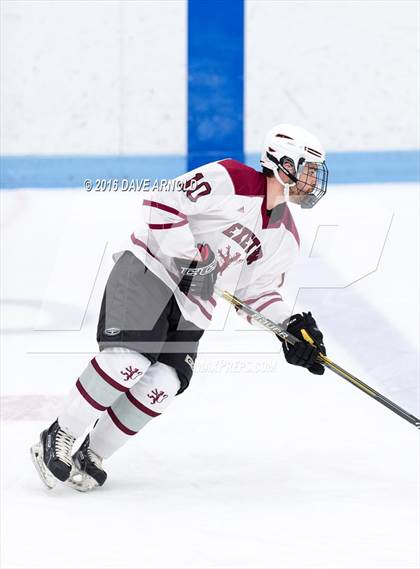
(95, 77)
(110, 77)
(346, 70)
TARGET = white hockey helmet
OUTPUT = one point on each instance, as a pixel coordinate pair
(298, 154)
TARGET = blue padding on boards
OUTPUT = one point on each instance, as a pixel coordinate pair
(367, 167)
(71, 171)
(215, 80)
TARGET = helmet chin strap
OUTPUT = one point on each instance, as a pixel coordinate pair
(286, 187)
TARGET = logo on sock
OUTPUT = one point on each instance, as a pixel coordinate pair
(157, 396)
(130, 373)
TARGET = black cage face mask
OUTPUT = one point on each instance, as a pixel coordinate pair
(311, 178)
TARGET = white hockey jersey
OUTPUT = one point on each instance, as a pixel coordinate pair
(222, 204)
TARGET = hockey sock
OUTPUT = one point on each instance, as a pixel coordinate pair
(109, 374)
(148, 398)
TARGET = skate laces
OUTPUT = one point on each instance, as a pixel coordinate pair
(97, 460)
(63, 446)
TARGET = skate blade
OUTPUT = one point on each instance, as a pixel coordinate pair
(46, 476)
(81, 481)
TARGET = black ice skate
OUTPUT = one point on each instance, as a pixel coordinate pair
(52, 455)
(87, 472)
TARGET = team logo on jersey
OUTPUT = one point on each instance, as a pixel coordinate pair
(112, 331)
(227, 259)
(247, 240)
(189, 360)
(157, 396)
(130, 372)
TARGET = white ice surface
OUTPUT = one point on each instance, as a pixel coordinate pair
(258, 464)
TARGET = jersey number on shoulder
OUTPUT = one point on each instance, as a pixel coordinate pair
(196, 188)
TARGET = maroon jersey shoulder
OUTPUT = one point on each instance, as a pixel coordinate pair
(246, 181)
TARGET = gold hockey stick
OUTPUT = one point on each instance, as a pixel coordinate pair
(287, 337)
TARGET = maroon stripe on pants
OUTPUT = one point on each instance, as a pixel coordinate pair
(88, 398)
(106, 377)
(140, 406)
(118, 423)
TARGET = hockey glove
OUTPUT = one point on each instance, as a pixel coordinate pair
(198, 277)
(302, 353)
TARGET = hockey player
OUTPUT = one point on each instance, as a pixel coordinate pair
(222, 222)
